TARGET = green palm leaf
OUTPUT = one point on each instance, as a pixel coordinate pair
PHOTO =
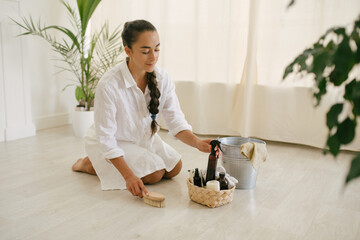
(108, 49)
(87, 59)
(70, 34)
(86, 9)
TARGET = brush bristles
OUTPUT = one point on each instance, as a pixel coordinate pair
(159, 204)
(154, 199)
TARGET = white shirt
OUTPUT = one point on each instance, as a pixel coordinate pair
(121, 110)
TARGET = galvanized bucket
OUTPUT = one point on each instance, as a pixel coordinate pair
(236, 164)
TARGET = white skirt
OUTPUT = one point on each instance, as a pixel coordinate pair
(149, 156)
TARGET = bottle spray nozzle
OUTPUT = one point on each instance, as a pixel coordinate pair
(215, 143)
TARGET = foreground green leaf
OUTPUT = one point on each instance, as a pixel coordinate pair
(354, 171)
(334, 145)
(321, 60)
(321, 91)
(346, 131)
(352, 94)
(344, 61)
(333, 114)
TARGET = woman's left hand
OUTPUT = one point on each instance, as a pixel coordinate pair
(204, 145)
(191, 139)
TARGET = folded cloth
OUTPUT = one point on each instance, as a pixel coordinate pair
(231, 181)
(255, 152)
(219, 169)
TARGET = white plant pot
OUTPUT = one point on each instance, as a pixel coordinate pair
(81, 121)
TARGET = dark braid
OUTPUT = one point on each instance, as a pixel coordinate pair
(129, 36)
(154, 102)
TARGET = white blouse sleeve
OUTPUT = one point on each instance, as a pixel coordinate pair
(173, 116)
(105, 123)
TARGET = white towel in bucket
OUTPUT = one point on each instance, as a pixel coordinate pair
(255, 152)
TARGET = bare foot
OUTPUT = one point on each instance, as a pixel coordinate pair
(84, 165)
(77, 166)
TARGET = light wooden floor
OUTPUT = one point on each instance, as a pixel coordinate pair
(299, 195)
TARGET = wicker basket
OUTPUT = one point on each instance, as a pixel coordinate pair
(210, 198)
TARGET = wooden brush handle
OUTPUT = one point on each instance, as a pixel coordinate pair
(154, 196)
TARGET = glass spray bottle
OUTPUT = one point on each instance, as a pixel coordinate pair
(212, 162)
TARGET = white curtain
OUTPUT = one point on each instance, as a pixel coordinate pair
(227, 59)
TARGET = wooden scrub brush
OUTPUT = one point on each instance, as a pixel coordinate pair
(154, 199)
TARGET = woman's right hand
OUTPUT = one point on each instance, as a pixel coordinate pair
(136, 186)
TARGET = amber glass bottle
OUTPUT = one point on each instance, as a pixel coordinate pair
(197, 179)
(223, 182)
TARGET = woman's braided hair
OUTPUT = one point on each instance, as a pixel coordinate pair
(129, 36)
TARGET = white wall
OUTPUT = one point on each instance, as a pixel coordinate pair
(15, 104)
(50, 105)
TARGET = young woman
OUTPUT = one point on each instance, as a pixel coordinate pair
(123, 147)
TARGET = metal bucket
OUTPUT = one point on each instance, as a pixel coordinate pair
(236, 164)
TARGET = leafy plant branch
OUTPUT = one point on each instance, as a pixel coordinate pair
(331, 60)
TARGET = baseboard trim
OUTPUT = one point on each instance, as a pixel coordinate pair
(19, 132)
(50, 121)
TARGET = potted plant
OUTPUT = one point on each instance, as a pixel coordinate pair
(331, 60)
(86, 56)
